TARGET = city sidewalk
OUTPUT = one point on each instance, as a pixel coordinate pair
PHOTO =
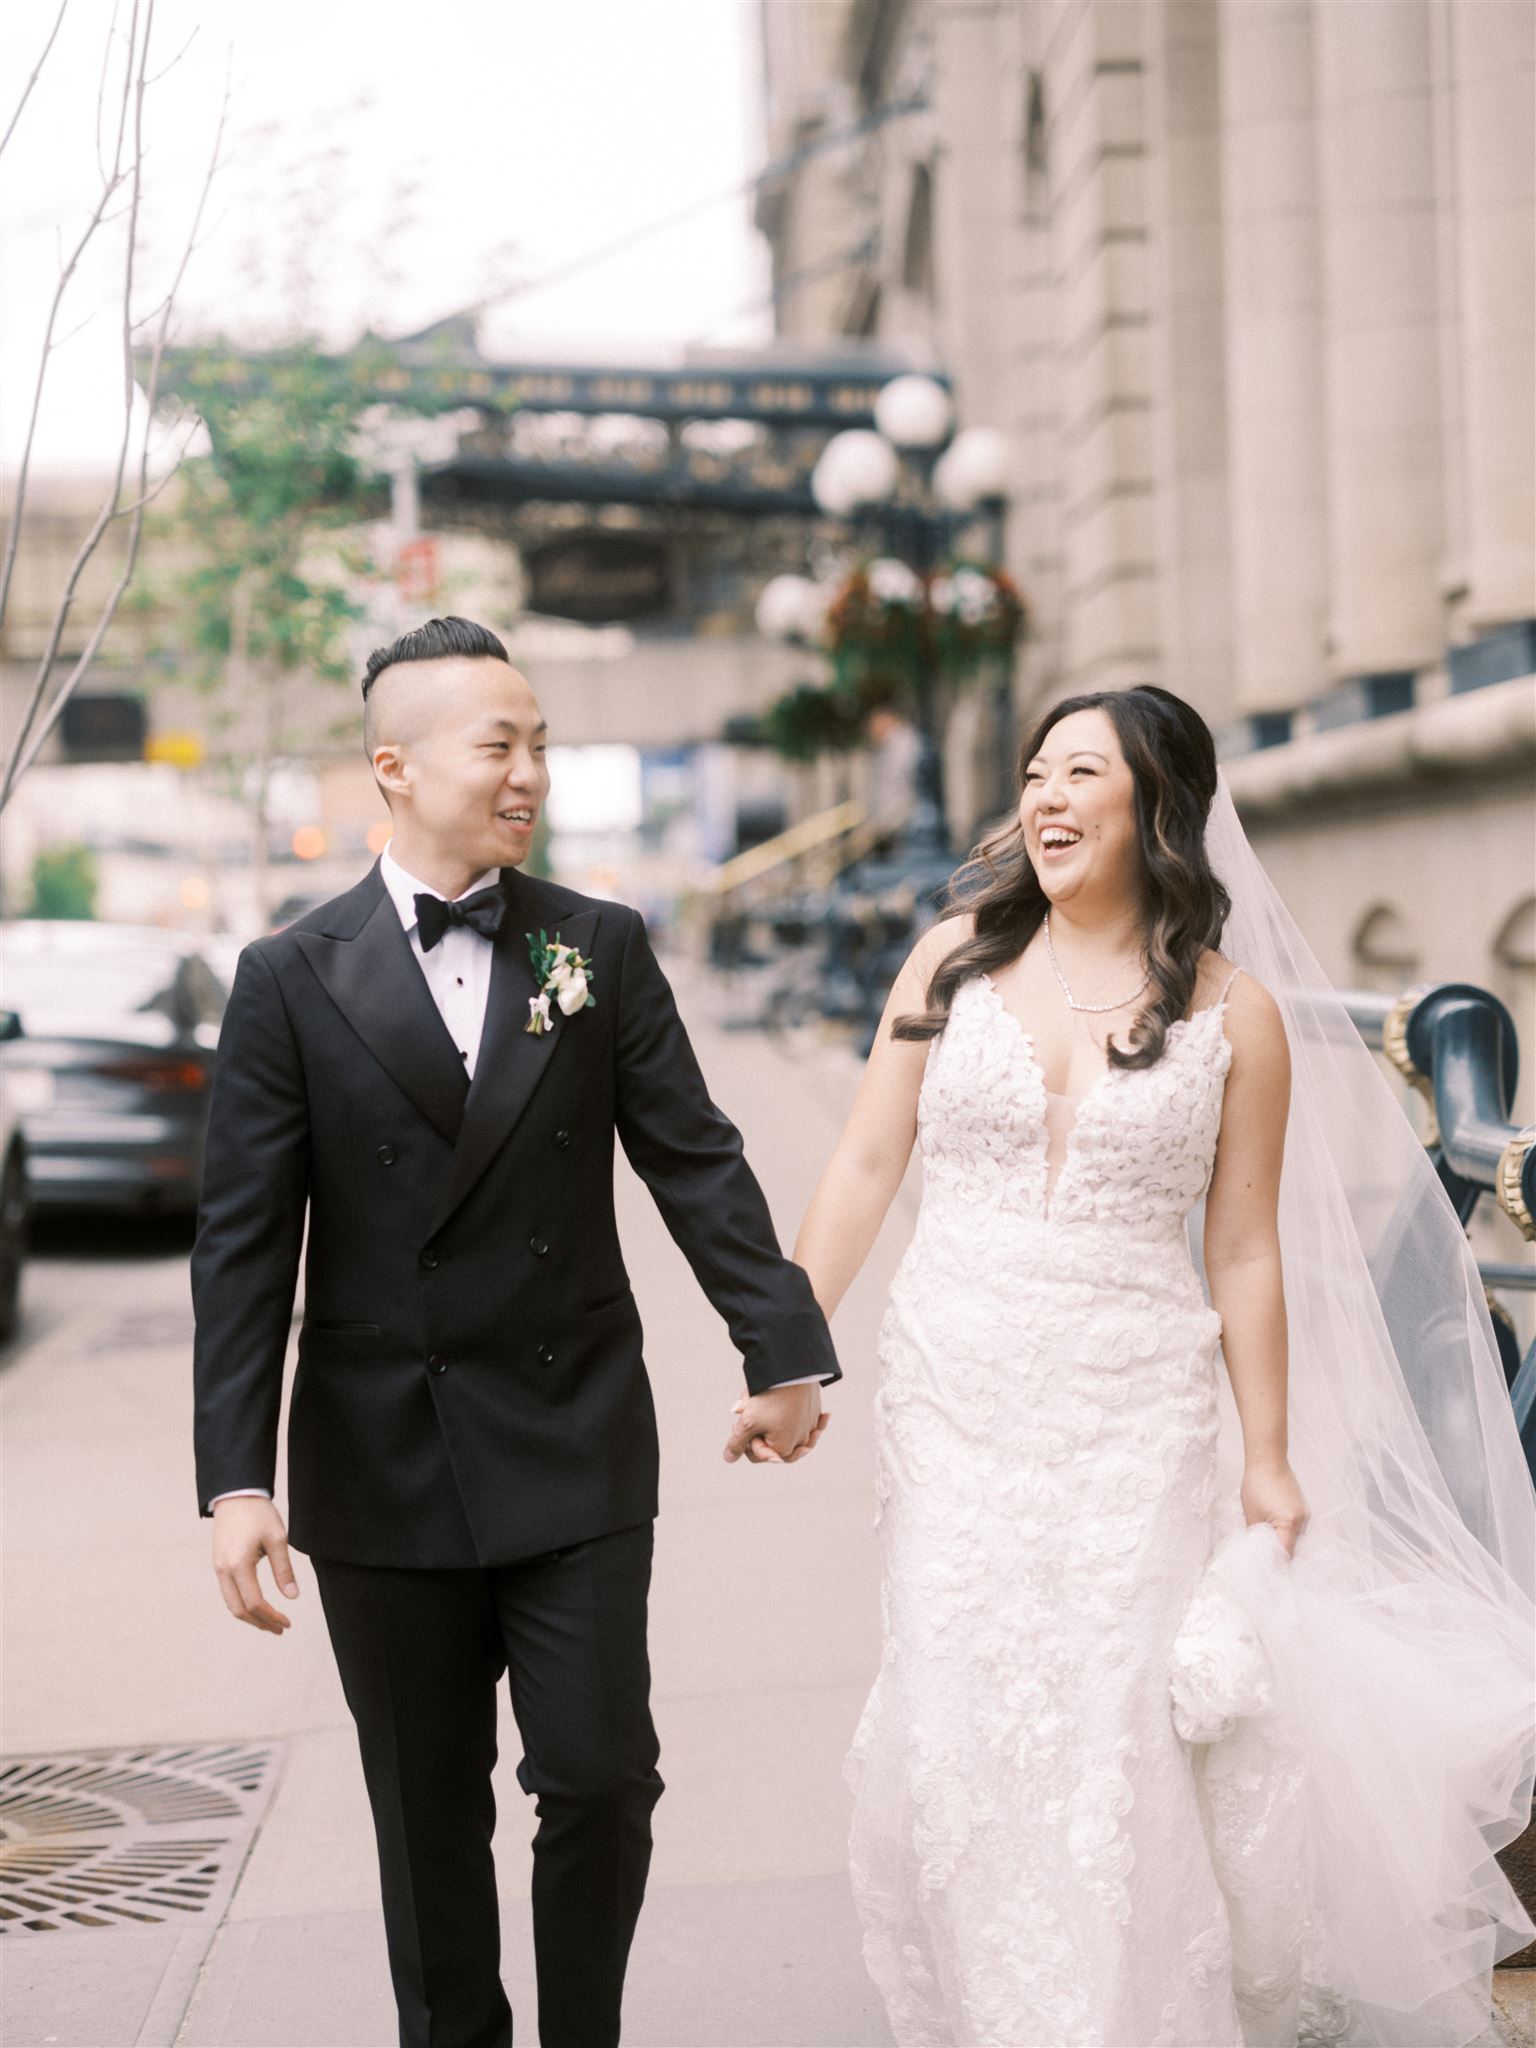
(764, 1638)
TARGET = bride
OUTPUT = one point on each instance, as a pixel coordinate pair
(1206, 1535)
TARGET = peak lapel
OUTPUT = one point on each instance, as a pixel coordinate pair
(374, 979)
(512, 1060)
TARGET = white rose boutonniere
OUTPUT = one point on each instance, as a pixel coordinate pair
(564, 978)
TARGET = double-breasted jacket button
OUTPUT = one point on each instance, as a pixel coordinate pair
(562, 1139)
(546, 1355)
(537, 1246)
(437, 1363)
(430, 1256)
(387, 1155)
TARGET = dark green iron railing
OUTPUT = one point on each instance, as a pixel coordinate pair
(1457, 1045)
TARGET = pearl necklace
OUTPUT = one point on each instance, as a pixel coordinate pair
(1072, 1002)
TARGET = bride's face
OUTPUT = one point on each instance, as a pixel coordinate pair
(1077, 810)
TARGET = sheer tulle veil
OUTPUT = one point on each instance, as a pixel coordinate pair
(1401, 1637)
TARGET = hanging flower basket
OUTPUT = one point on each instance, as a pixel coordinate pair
(974, 615)
(892, 634)
(942, 627)
(813, 719)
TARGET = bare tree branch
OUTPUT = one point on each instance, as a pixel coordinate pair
(79, 328)
(26, 93)
(25, 751)
(148, 497)
(110, 182)
(169, 68)
(101, 84)
(133, 98)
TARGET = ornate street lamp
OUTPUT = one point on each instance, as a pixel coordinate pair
(861, 473)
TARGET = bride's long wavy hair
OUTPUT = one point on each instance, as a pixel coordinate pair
(1172, 758)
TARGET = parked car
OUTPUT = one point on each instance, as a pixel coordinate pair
(294, 907)
(15, 1192)
(112, 1070)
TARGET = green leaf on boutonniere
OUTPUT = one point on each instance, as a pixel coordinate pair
(564, 979)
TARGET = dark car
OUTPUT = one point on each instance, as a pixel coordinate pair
(15, 1196)
(111, 1073)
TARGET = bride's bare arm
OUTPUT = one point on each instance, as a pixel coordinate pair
(866, 1168)
(1242, 1233)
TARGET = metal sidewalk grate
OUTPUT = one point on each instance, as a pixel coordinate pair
(127, 1837)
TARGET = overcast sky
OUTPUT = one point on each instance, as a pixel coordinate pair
(386, 165)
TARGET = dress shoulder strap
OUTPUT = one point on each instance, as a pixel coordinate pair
(1206, 1008)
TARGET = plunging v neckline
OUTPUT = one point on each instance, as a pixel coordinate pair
(1050, 1191)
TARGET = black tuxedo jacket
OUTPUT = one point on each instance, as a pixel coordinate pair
(470, 1384)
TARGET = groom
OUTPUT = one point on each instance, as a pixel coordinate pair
(472, 1461)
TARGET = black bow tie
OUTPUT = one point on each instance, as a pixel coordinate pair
(483, 911)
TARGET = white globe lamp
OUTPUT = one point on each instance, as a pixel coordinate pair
(855, 468)
(790, 608)
(973, 468)
(914, 412)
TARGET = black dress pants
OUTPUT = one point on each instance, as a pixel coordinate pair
(421, 1654)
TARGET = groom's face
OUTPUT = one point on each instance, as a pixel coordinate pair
(462, 757)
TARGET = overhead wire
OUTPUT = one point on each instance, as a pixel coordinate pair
(781, 167)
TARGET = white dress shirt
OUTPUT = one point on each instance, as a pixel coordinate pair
(458, 972)
(458, 968)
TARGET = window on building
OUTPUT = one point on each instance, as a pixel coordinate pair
(917, 247)
(1035, 161)
(1386, 953)
(1513, 975)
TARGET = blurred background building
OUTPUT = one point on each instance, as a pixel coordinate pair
(1248, 286)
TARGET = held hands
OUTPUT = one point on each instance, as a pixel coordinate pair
(245, 1530)
(777, 1427)
(1270, 1494)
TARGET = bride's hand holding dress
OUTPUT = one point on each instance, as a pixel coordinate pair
(1270, 1494)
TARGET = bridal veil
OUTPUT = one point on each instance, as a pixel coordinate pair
(1379, 1687)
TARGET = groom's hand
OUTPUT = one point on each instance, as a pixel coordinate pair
(245, 1530)
(777, 1427)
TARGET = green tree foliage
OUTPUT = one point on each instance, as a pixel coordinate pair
(814, 719)
(256, 571)
(262, 518)
(64, 881)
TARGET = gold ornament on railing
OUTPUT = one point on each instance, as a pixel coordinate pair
(1394, 1043)
(1507, 1179)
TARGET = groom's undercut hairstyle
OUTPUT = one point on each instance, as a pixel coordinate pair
(436, 640)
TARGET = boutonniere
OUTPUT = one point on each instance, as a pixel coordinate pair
(564, 978)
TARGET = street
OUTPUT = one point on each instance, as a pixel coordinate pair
(764, 1640)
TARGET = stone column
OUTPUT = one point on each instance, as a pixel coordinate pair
(1095, 92)
(1034, 544)
(1492, 61)
(1188, 352)
(1276, 404)
(1384, 452)
(974, 200)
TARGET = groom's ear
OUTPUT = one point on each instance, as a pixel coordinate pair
(389, 771)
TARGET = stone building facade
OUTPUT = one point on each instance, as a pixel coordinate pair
(1250, 287)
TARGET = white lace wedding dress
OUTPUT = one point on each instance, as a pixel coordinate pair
(1040, 1858)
